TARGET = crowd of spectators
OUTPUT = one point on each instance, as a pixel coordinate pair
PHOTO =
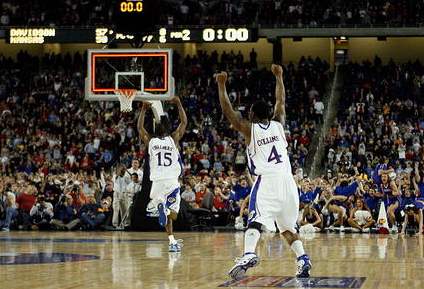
(381, 116)
(68, 164)
(49, 134)
(352, 201)
(278, 13)
(379, 128)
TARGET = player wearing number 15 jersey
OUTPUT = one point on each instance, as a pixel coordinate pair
(274, 197)
(165, 168)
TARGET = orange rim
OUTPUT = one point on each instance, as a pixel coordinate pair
(126, 92)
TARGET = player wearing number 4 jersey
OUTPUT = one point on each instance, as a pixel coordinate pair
(274, 197)
(165, 168)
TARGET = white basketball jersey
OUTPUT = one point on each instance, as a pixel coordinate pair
(165, 161)
(267, 151)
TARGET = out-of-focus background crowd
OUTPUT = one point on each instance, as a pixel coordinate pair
(69, 164)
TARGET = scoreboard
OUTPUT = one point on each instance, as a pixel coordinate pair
(133, 20)
(104, 35)
(136, 16)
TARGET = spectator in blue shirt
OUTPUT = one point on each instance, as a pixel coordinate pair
(344, 188)
(241, 190)
(381, 168)
(65, 214)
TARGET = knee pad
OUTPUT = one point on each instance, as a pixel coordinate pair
(255, 225)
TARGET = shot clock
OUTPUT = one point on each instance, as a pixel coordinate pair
(136, 16)
(131, 6)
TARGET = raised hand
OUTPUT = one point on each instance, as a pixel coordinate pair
(175, 99)
(146, 105)
(277, 70)
(221, 78)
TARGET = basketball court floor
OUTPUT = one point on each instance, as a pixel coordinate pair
(141, 260)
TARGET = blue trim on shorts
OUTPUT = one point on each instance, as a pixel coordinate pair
(252, 167)
(252, 202)
(172, 197)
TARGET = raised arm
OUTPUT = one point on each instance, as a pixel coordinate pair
(244, 205)
(417, 172)
(144, 135)
(395, 190)
(416, 188)
(280, 94)
(179, 132)
(234, 118)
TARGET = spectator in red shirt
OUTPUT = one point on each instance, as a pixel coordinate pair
(86, 162)
(25, 202)
(26, 199)
(204, 198)
(200, 194)
(304, 139)
(219, 200)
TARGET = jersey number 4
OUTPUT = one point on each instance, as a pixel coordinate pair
(274, 156)
(166, 161)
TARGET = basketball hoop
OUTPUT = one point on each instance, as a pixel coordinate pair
(126, 97)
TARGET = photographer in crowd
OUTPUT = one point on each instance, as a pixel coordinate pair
(65, 214)
(41, 214)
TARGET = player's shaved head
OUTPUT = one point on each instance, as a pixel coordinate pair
(163, 128)
(259, 111)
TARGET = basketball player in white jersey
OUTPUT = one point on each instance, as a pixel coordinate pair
(165, 168)
(274, 196)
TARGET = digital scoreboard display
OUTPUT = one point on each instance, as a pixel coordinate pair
(134, 20)
(131, 6)
(103, 35)
(136, 16)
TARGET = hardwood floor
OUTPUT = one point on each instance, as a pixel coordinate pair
(141, 260)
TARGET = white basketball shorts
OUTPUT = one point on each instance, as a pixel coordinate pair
(167, 192)
(274, 199)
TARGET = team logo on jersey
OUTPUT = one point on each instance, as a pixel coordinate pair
(171, 199)
(252, 214)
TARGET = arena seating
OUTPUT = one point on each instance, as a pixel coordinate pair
(49, 130)
(381, 115)
(294, 13)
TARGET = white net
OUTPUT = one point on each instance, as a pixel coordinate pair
(126, 97)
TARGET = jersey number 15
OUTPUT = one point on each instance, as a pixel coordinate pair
(166, 161)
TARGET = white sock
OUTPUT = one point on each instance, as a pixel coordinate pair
(297, 248)
(251, 238)
(171, 239)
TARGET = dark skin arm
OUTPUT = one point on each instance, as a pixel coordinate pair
(179, 132)
(280, 95)
(237, 122)
(145, 136)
